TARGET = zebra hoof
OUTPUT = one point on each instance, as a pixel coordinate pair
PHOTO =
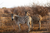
(39, 28)
(28, 30)
(20, 30)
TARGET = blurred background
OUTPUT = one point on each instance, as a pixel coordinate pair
(7, 7)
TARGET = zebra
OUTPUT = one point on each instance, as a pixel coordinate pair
(37, 18)
(22, 20)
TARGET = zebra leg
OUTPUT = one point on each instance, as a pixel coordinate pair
(40, 25)
(19, 27)
(28, 26)
(32, 24)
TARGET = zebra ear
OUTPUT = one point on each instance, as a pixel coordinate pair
(18, 13)
(28, 13)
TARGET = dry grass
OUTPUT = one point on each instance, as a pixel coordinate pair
(7, 24)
